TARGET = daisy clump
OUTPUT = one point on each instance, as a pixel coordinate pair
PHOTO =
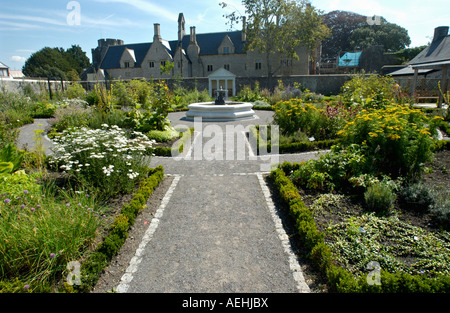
(110, 159)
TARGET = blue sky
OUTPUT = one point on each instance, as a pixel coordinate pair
(28, 26)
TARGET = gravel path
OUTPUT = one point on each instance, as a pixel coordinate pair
(26, 138)
(215, 229)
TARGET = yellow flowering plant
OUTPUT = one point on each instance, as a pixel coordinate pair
(312, 119)
(397, 139)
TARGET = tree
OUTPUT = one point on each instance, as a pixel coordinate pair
(391, 36)
(280, 27)
(406, 55)
(79, 59)
(342, 24)
(56, 62)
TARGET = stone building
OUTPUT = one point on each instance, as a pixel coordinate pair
(193, 55)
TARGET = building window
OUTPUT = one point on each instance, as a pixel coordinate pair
(286, 62)
(210, 68)
(163, 63)
(4, 72)
(151, 64)
(258, 64)
(227, 67)
(226, 50)
(126, 64)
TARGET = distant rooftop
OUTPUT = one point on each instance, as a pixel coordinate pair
(208, 43)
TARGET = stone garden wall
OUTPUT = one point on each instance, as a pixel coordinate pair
(321, 84)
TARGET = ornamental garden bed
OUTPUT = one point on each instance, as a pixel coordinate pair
(345, 239)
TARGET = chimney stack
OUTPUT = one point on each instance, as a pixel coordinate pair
(244, 29)
(193, 35)
(157, 36)
(440, 32)
(181, 25)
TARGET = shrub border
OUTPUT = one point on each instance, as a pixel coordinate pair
(340, 280)
(295, 147)
(180, 143)
(92, 268)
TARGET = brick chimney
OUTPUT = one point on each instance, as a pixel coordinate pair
(440, 32)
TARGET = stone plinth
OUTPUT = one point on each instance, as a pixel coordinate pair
(209, 112)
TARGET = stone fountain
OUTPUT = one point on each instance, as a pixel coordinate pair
(220, 110)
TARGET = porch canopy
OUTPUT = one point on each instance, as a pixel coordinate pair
(442, 65)
(435, 56)
(222, 78)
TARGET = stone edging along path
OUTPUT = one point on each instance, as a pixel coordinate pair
(216, 229)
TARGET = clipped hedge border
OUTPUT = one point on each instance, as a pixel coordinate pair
(178, 146)
(339, 279)
(100, 259)
(295, 147)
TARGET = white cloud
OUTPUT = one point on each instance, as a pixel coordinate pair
(18, 17)
(16, 58)
(149, 7)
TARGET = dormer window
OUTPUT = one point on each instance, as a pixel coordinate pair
(226, 50)
(126, 64)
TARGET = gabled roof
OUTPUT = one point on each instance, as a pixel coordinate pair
(3, 65)
(437, 51)
(221, 73)
(114, 53)
(208, 43)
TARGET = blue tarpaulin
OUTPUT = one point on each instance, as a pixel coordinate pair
(350, 59)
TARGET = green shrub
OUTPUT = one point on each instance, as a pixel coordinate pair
(75, 91)
(440, 206)
(372, 92)
(397, 140)
(417, 197)
(43, 110)
(163, 135)
(379, 198)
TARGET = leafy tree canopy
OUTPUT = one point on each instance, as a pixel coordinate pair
(391, 36)
(342, 24)
(56, 62)
(280, 27)
(351, 31)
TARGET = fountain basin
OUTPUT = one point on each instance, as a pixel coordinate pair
(210, 112)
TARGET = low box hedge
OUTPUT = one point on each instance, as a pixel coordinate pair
(339, 279)
(92, 268)
(295, 147)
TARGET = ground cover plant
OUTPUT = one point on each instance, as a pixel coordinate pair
(377, 202)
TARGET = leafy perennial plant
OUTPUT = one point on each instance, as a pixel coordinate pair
(110, 159)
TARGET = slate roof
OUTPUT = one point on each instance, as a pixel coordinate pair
(208, 43)
(437, 51)
(114, 53)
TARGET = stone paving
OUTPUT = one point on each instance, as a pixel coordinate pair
(217, 229)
